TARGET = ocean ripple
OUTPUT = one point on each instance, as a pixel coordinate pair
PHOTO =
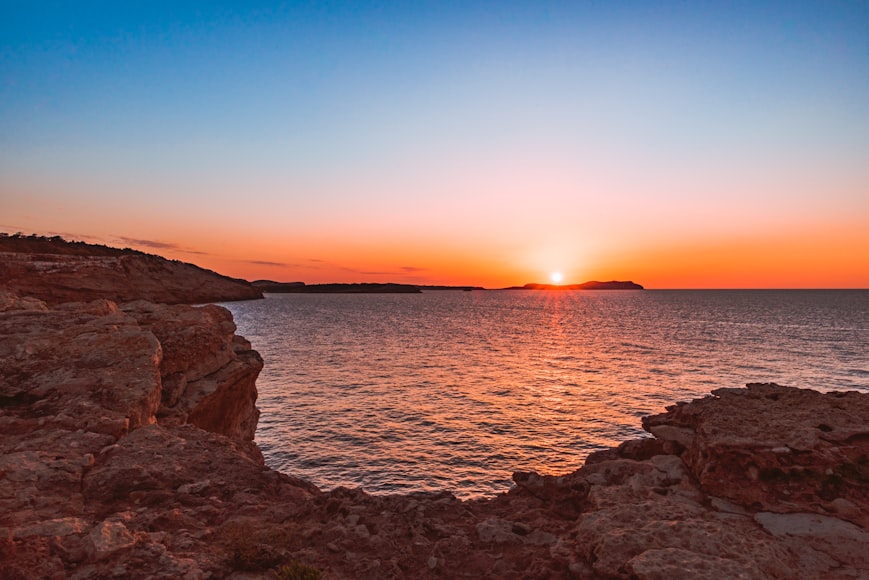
(456, 390)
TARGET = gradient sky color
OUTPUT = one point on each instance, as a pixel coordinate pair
(679, 144)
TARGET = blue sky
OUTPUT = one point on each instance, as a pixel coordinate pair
(305, 127)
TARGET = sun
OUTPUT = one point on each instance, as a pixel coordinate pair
(556, 277)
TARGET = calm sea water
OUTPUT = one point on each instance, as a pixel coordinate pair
(456, 390)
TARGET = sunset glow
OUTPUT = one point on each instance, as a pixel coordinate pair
(679, 145)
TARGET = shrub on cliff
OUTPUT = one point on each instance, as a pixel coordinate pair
(250, 548)
(297, 571)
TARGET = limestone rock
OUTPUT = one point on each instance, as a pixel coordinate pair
(11, 301)
(808, 453)
(666, 532)
(107, 538)
(668, 563)
(75, 380)
(497, 531)
(55, 271)
(89, 368)
(208, 372)
(847, 543)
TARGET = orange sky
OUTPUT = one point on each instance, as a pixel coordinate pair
(813, 258)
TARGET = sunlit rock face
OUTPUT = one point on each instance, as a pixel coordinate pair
(107, 471)
(84, 366)
(72, 380)
(55, 271)
(208, 373)
(78, 381)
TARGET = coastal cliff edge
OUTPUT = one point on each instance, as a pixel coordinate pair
(127, 452)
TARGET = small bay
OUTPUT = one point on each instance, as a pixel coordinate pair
(450, 390)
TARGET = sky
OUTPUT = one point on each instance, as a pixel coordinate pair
(696, 144)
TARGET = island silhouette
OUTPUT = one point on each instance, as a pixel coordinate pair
(591, 285)
(270, 286)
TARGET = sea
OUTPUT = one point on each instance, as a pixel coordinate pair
(453, 390)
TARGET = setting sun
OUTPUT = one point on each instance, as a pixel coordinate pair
(556, 277)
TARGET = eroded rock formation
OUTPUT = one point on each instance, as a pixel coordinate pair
(208, 373)
(125, 452)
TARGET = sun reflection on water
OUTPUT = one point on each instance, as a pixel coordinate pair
(455, 390)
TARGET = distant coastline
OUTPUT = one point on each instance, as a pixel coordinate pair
(270, 286)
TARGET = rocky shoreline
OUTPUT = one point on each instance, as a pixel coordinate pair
(127, 452)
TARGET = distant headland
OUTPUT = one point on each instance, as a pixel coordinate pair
(592, 285)
(269, 286)
(355, 288)
(83, 271)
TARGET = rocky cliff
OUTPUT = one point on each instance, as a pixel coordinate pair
(57, 271)
(126, 453)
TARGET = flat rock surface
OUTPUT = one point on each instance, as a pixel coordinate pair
(106, 471)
